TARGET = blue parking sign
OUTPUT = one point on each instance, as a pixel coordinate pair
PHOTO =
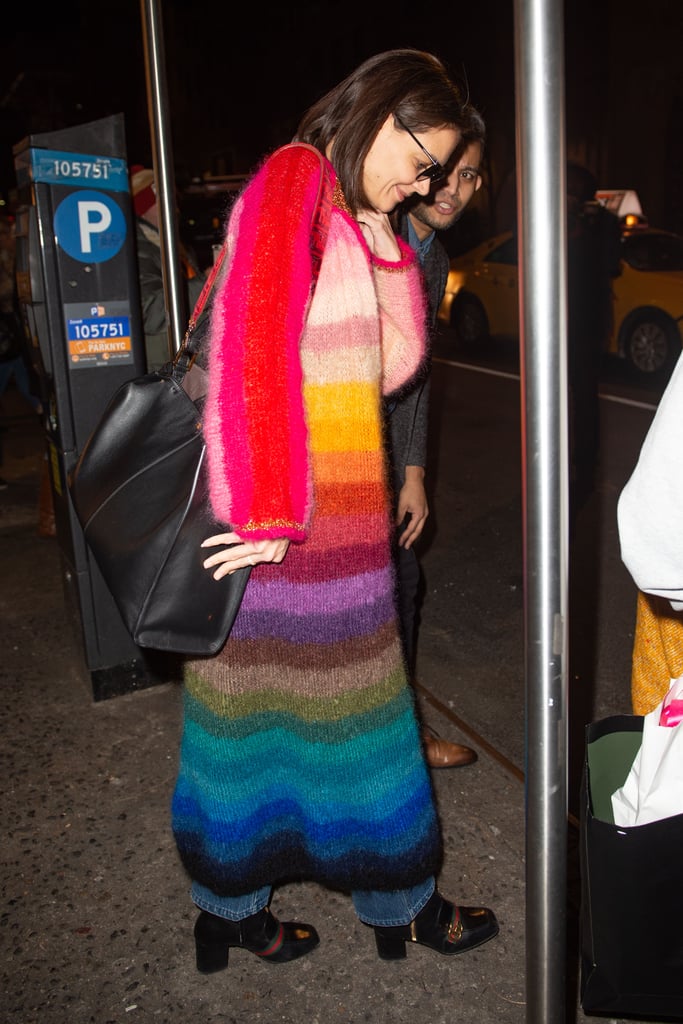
(90, 226)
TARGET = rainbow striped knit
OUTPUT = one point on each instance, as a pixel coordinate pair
(300, 755)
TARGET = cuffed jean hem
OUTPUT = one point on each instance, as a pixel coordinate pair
(233, 908)
(394, 908)
(378, 909)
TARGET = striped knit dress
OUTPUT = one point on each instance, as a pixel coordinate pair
(300, 755)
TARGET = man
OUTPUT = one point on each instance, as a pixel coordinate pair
(418, 224)
(148, 242)
(593, 261)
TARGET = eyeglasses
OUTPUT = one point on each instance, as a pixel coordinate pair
(437, 171)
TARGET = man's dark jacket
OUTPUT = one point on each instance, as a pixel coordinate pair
(407, 415)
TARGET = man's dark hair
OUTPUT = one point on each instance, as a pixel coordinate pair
(581, 183)
(473, 129)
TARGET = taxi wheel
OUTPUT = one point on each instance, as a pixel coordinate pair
(650, 342)
(469, 319)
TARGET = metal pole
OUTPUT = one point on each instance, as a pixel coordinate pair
(541, 215)
(164, 175)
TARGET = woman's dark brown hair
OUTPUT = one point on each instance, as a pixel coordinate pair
(410, 84)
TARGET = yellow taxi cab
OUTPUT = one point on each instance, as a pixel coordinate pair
(481, 298)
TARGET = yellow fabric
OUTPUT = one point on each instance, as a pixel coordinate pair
(657, 651)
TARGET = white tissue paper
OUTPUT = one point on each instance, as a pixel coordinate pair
(654, 786)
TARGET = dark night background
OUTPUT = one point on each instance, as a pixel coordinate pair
(239, 79)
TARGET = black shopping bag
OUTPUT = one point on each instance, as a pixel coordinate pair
(631, 889)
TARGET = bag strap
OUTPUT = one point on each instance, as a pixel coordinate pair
(320, 220)
(187, 353)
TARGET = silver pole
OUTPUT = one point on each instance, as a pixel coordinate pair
(541, 216)
(164, 175)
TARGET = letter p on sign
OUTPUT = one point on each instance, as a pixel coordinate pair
(93, 219)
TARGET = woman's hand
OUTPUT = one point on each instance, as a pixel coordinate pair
(379, 235)
(238, 554)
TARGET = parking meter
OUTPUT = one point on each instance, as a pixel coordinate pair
(77, 279)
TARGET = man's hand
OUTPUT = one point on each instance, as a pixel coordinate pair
(412, 502)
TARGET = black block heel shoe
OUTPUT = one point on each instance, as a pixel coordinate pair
(441, 926)
(262, 934)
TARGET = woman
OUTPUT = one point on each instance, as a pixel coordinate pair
(301, 755)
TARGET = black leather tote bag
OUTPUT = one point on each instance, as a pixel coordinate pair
(140, 493)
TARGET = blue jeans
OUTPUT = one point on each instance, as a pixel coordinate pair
(386, 909)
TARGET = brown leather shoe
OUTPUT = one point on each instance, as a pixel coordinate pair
(439, 753)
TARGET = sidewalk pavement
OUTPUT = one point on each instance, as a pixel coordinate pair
(97, 920)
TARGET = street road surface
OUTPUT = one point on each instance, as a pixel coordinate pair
(471, 653)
